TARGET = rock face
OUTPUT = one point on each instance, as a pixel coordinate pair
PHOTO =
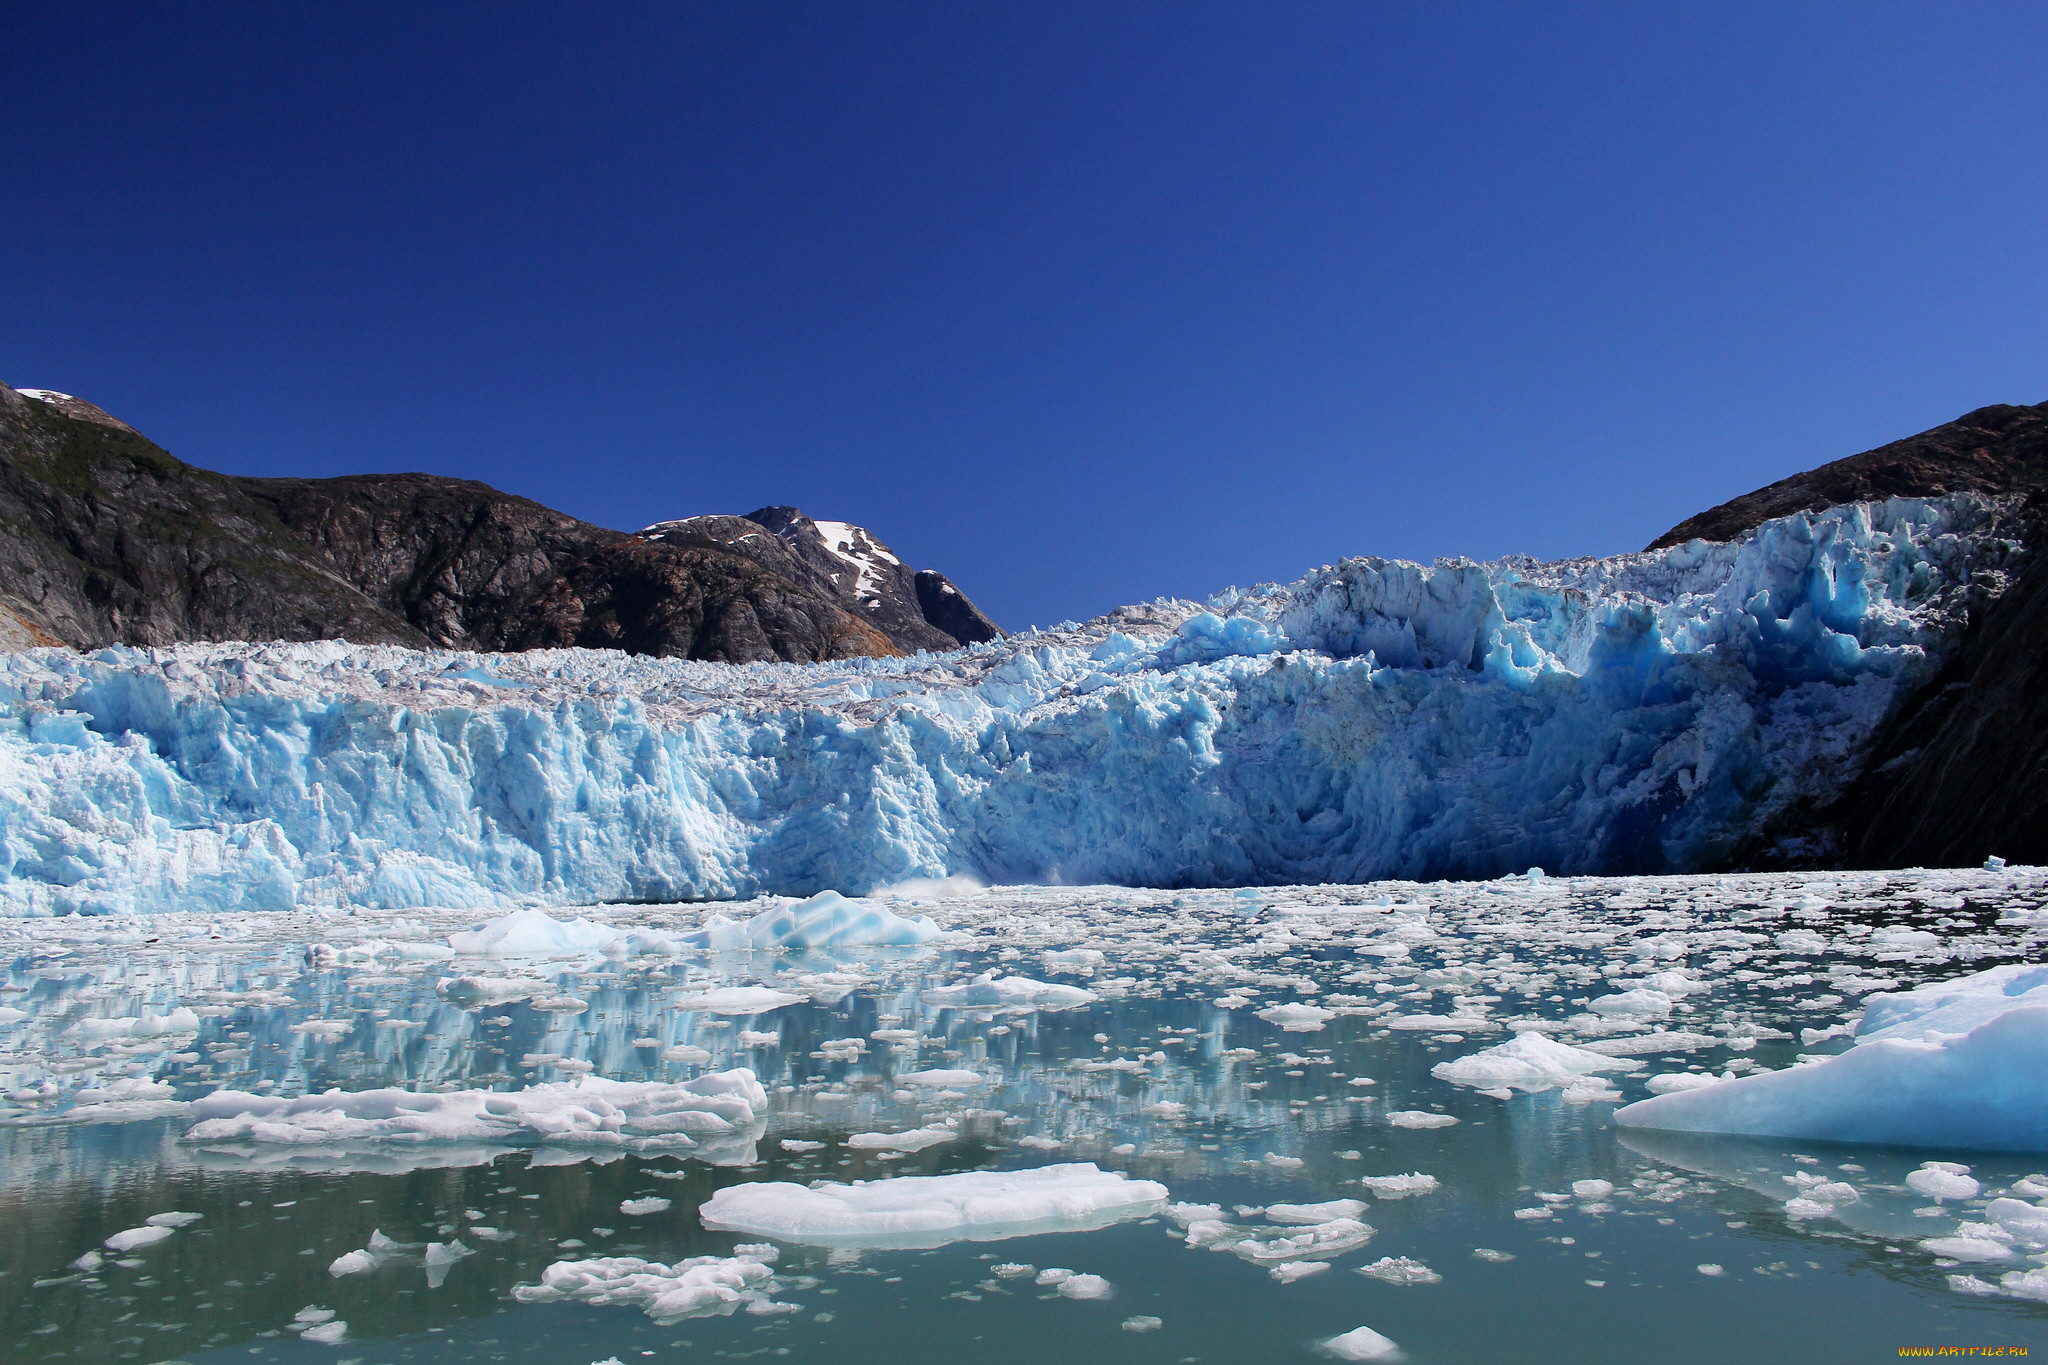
(844, 564)
(1999, 449)
(1961, 773)
(105, 538)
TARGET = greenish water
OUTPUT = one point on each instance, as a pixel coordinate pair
(1269, 1116)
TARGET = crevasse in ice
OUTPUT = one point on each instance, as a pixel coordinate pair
(1643, 713)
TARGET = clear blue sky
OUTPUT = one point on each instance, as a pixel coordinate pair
(1080, 303)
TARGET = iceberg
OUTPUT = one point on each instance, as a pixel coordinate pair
(1376, 719)
(1952, 1064)
(826, 920)
(919, 1211)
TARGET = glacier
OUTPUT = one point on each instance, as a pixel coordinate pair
(1648, 713)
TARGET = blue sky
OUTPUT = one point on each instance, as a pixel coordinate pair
(1082, 304)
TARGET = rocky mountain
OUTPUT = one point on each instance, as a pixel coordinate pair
(1999, 449)
(106, 538)
(1961, 772)
(918, 609)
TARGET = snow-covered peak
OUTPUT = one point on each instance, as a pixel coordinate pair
(46, 395)
(859, 549)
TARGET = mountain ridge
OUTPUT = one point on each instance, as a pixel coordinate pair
(107, 538)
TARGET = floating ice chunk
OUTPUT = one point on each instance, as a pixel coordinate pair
(1314, 1213)
(1677, 1082)
(177, 1219)
(1951, 1066)
(1711, 1270)
(686, 1053)
(942, 1078)
(11, 1015)
(1419, 1118)
(702, 1286)
(640, 1208)
(126, 1091)
(1804, 942)
(489, 990)
(1528, 1062)
(1489, 1254)
(643, 1116)
(1361, 1343)
(351, 1263)
(737, 1000)
(532, 933)
(1020, 992)
(1943, 1180)
(1635, 1004)
(1073, 960)
(1083, 1287)
(1320, 1240)
(1592, 1189)
(1966, 1248)
(1400, 1270)
(327, 1333)
(136, 1238)
(440, 1258)
(1399, 1186)
(147, 1025)
(1297, 1017)
(1287, 1272)
(801, 1145)
(931, 1211)
(1142, 1322)
(826, 920)
(1185, 1214)
(916, 1140)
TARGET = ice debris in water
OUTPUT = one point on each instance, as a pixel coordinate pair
(931, 1211)
(1529, 1062)
(640, 1208)
(1298, 1018)
(1727, 683)
(644, 1116)
(136, 1238)
(1400, 1270)
(1016, 992)
(1314, 1213)
(1399, 1186)
(1419, 1118)
(1952, 1064)
(1943, 1180)
(747, 1000)
(532, 933)
(826, 920)
(701, 1286)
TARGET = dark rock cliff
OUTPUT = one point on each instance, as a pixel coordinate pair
(1999, 449)
(1961, 773)
(106, 538)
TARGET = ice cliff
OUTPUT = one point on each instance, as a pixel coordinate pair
(1645, 713)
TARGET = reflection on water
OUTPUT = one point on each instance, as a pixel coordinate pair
(1520, 1252)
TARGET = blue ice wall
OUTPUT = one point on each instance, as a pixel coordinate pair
(1646, 713)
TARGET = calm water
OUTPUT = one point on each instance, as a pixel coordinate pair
(1215, 1103)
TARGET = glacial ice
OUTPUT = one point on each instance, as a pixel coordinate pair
(1954, 1063)
(1644, 713)
(932, 1211)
